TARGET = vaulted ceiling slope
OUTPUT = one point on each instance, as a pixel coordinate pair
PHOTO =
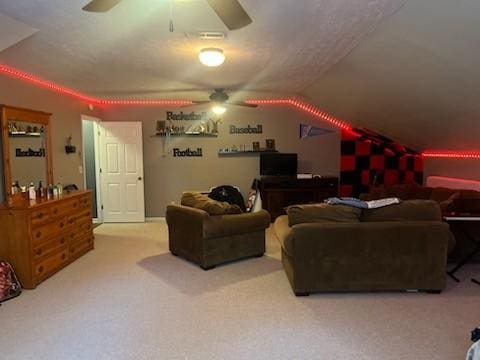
(130, 53)
(415, 79)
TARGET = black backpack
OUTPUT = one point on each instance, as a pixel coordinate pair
(229, 194)
(9, 285)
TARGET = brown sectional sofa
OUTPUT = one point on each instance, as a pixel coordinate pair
(451, 201)
(330, 248)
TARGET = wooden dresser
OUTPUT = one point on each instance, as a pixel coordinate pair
(40, 237)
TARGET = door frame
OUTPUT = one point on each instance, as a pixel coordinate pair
(96, 147)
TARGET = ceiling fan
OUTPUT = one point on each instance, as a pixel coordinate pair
(220, 97)
(230, 12)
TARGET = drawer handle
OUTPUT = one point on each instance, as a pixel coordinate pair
(38, 234)
(64, 256)
(62, 241)
(75, 205)
(39, 252)
(62, 225)
(39, 216)
(55, 210)
(72, 250)
(40, 269)
(70, 221)
(72, 235)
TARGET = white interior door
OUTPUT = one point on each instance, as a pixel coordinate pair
(121, 171)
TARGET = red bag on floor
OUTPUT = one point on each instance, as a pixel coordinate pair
(9, 285)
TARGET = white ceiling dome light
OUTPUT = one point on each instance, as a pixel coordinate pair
(219, 109)
(211, 56)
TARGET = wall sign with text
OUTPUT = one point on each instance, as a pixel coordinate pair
(171, 115)
(246, 130)
(187, 152)
(29, 153)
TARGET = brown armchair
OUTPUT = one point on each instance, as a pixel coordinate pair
(209, 240)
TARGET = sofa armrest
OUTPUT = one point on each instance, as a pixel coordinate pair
(226, 225)
(185, 227)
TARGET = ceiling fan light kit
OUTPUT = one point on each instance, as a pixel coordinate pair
(219, 109)
(211, 57)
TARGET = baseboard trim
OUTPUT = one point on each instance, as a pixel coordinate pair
(154, 219)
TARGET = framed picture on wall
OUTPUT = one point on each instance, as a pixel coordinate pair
(270, 144)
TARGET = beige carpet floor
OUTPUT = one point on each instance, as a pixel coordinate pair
(131, 299)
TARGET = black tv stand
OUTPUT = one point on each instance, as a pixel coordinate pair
(278, 192)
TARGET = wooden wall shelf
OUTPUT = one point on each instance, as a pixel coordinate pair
(187, 135)
(245, 152)
(20, 135)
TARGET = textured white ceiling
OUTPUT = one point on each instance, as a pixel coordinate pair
(13, 31)
(416, 78)
(129, 52)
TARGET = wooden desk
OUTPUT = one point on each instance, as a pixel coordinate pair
(40, 237)
(278, 192)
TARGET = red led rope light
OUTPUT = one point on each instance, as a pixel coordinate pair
(311, 109)
(89, 99)
(452, 154)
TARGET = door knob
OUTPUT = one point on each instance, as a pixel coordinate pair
(139, 178)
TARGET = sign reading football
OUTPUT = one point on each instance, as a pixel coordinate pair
(187, 152)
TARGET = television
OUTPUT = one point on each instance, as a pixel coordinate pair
(278, 164)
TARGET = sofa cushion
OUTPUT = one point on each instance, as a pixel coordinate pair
(418, 192)
(409, 210)
(308, 213)
(469, 194)
(213, 207)
(447, 205)
(440, 194)
(400, 191)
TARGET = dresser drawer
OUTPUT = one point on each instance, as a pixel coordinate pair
(51, 264)
(85, 201)
(81, 230)
(74, 219)
(49, 247)
(44, 232)
(64, 207)
(81, 246)
(40, 216)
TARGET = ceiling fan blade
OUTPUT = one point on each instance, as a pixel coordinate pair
(231, 13)
(100, 5)
(241, 103)
(196, 102)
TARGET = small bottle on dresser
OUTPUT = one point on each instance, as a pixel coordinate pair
(40, 190)
(32, 194)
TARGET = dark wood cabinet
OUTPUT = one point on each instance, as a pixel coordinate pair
(278, 192)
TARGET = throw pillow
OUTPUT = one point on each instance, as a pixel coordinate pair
(318, 213)
(213, 207)
(447, 204)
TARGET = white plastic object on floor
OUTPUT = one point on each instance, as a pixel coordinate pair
(474, 352)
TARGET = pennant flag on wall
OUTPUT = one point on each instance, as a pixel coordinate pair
(309, 131)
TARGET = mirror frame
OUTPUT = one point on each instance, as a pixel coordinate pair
(26, 115)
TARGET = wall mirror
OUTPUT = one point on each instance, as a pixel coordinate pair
(26, 148)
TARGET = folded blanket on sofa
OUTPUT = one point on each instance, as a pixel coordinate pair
(373, 204)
